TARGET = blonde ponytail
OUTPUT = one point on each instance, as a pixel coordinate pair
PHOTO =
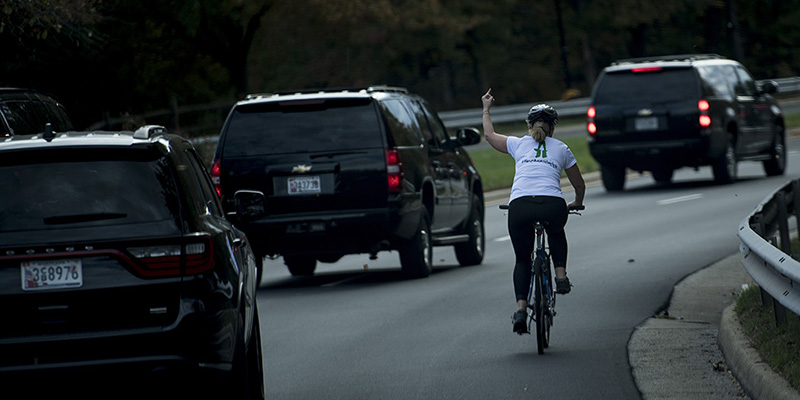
(537, 131)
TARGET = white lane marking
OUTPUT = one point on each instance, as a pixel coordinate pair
(680, 199)
(503, 239)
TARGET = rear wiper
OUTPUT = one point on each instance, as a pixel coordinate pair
(77, 218)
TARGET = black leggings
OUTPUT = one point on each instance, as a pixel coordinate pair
(522, 212)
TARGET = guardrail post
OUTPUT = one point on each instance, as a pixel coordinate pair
(786, 246)
(796, 208)
(783, 223)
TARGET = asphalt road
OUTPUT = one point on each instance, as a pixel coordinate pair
(358, 331)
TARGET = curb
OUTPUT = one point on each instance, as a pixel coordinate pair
(757, 378)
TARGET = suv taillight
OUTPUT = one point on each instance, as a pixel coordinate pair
(394, 170)
(704, 119)
(591, 112)
(215, 176)
(193, 255)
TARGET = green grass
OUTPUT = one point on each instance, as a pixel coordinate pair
(792, 120)
(779, 346)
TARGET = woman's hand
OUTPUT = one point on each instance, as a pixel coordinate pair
(487, 100)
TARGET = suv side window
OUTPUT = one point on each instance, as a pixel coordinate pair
(21, 117)
(439, 132)
(403, 126)
(56, 116)
(428, 134)
(211, 200)
(746, 86)
(716, 80)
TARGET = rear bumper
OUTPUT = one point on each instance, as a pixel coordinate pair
(647, 156)
(319, 234)
(200, 342)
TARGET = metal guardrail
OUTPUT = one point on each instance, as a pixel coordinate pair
(772, 267)
(571, 108)
(452, 119)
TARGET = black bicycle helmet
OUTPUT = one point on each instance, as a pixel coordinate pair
(544, 112)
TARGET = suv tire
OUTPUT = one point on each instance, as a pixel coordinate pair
(776, 165)
(471, 252)
(416, 257)
(300, 265)
(725, 168)
(613, 178)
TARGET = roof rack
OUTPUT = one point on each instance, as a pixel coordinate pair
(354, 89)
(677, 57)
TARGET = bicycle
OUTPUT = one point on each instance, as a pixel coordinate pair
(542, 309)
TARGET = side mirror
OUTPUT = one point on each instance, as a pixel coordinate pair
(249, 204)
(467, 136)
(769, 87)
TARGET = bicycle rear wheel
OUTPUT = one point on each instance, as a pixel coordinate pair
(540, 313)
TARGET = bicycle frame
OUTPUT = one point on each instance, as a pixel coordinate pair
(540, 250)
(541, 305)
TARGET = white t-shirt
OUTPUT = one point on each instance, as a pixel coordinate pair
(538, 166)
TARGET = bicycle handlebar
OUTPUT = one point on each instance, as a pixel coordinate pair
(580, 208)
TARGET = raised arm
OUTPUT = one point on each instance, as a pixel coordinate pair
(495, 139)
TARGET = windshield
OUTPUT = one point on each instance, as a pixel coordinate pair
(87, 193)
(660, 86)
(308, 126)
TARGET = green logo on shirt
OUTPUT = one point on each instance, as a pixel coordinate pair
(541, 151)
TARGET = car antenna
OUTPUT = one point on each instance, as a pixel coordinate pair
(48, 134)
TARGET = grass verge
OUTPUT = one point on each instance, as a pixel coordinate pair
(778, 346)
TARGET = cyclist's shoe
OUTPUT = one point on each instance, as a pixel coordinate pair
(520, 322)
(563, 286)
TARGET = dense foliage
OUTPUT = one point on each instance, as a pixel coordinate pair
(110, 57)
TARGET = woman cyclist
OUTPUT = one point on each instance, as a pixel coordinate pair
(536, 195)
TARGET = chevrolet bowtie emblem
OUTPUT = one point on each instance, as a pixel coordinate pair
(301, 169)
(645, 112)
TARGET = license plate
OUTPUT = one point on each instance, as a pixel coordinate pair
(51, 274)
(646, 124)
(303, 184)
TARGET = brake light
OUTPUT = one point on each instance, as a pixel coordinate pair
(646, 69)
(592, 128)
(394, 170)
(189, 257)
(591, 112)
(704, 119)
(215, 176)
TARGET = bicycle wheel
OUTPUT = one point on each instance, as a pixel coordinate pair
(542, 329)
(548, 301)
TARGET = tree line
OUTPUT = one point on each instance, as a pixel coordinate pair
(106, 58)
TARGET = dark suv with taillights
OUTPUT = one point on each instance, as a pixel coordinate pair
(118, 265)
(325, 173)
(658, 114)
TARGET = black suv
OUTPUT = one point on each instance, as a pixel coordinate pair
(25, 112)
(325, 173)
(663, 113)
(115, 256)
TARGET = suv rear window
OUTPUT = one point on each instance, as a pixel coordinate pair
(302, 126)
(662, 86)
(86, 193)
